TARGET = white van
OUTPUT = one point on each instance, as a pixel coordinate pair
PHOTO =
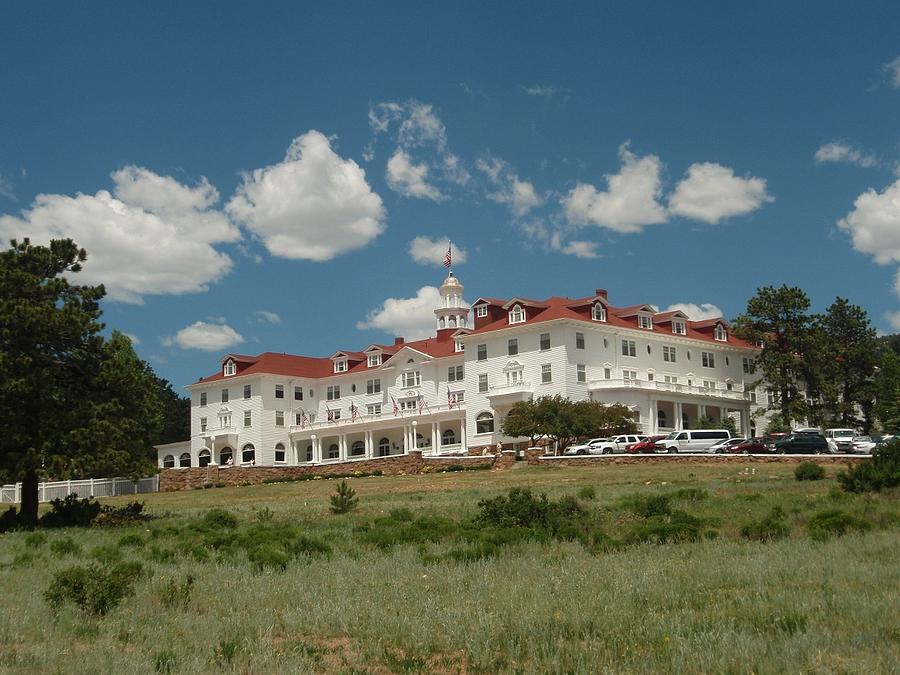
(692, 440)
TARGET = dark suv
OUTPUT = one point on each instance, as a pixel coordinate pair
(804, 443)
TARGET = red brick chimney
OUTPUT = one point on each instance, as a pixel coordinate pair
(602, 293)
(398, 341)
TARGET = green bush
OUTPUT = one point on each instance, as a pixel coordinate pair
(219, 519)
(95, 589)
(9, 520)
(129, 514)
(648, 506)
(268, 556)
(835, 523)
(770, 528)
(71, 512)
(809, 471)
(176, 594)
(675, 527)
(165, 661)
(691, 494)
(35, 539)
(132, 539)
(587, 492)
(880, 472)
(344, 499)
(65, 546)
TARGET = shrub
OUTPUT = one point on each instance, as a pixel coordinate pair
(65, 546)
(809, 471)
(835, 523)
(587, 492)
(176, 594)
(676, 527)
(95, 589)
(131, 513)
(71, 512)
(9, 520)
(691, 494)
(264, 514)
(106, 554)
(876, 474)
(344, 500)
(35, 539)
(268, 556)
(769, 528)
(219, 519)
(165, 661)
(648, 506)
(131, 539)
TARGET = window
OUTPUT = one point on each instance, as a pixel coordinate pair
(374, 360)
(298, 393)
(412, 378)
(669, 354)
(279, 418)
(334, 415)
(482, 383)
(629, 375)
(279, 391)
(484, 423)
(384, 447)
(579, 340)
(517, 315)
(709, 384)
(455, 374)
(247, 391)
(650, 376)
(298, 419)
(629, 348)
(678, 327)
(280, 456)
(607, 373)
(230, 368)
(481, 311)
(645, 321)
(340, 366)
(373, 409)
(448, 437)
(408, 404)
(203, 458)
(225, 456)
(169, 461)
(514, 376)
(545, 341)
(333, 451)
(599, 312)
(202, 424)
(457, 397)
(661, 418)
(459, 346)
(512, 346)
(546, 373)
(749, 365)
(671, 379)
(358, 449)
(720, 334)
(202, 399)
(373, 386)
(580, 373)
(224, 396)
(184, 461)
(248, 418)
(708, 359)
(248, 454)
(482, 352)
(333, 392)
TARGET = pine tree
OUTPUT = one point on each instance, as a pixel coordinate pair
(344, 499)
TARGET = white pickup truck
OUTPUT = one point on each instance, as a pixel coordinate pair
(840, 441)
(620, 443)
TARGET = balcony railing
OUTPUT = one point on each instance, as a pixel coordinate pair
(386, 415)
(735, 393)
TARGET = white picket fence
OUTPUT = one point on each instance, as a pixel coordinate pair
(90, 487)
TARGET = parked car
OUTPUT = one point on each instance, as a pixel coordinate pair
(864, 444)
(756, 445)
(840, 440)
(722, 446)
(591, 447)
(805, 443)
(620, 443)
(647, 446)
(692, 440)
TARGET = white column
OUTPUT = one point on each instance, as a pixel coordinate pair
(413, 439)
(678, 420)
(654, 429)
(405, 439)
(462, 435)
(434, 438)
(317, 455)
(342, 447)
(701, 411)
(368, 442)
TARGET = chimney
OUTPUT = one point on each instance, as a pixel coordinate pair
(398, 341)
(601, 292)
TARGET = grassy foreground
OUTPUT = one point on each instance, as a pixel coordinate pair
(625, 604)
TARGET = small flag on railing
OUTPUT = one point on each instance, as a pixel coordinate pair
(450, 399)
(421, 401)
(354, 412)
(396, 409)
(448, 259)
(330, 414)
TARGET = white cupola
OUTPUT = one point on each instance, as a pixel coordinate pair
(453, 312)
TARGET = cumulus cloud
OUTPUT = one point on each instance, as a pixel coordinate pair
(893, 318)
(268, 317)
(153, 235)
(427, 251)
(412, 318)
(630, 201)
(696, 312)
(711, 192)
(542, 90)
(874, 224)
(897, 284)
(409, 179)
(314, 205)
(838, 151)
(578, 248)
(519, 195)
(892, 70)
(208, 337)
(6, 188)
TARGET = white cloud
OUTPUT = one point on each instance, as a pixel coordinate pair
(874, 224)
(268, 317)
(208, 337)
(711, 192)
(6, 188)
(544, 91)
(154, 235)
(412, 318)
(455, 171)
(696, 312)
(410, 180)
(893, 318)
(421, 127)
(580, 249)
(427, 251)
(630, 201)
(314, 205)
(520, 195)
(838, 151)
(892, 68)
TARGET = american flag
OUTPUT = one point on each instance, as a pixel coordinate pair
(421, 401)
(354, 412)
(303, 418)
(330, 414)
(448, 259)
(450, 399)
(396, 409)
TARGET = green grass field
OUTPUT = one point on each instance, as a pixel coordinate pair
(410, 585)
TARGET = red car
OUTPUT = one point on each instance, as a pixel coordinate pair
(754, 445)
(647, 446)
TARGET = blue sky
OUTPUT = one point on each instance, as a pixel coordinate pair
(283, 177)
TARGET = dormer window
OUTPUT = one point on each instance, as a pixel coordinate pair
(230, 368)
(481, 311)
(645, 321)
(374, 360)
(599, 312)
(459, 346)
(340, 366)
(720, 333)
(517, 315)
(678, 327)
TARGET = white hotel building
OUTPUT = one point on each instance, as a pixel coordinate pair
(449, 393)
